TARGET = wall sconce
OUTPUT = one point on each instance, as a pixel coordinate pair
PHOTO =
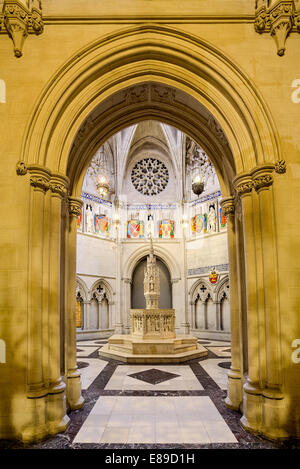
(184, 222)
(116, 221)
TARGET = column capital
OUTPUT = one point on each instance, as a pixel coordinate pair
(243, 184)
(175, 280)
(75, 205)
(262, 177)
(59, 185)
(127, 280)
(228, 207)
(39, 177)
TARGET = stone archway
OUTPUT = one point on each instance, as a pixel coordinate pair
(171, 76)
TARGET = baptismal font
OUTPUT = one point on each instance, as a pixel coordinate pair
(152, 337)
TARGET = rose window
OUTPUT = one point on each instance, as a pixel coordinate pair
(150, 176)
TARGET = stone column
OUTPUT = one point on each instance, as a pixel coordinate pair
(272, 393)
(218, 315)
(85, 314)
(193, 314)
(58, 420)
(185, 324)
(234, 396)
(37, 390)
(252, 399)
(126, 295)
(119, 319)
(74, 398)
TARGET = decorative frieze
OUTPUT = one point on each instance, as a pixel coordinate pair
(216, 130)
(278, 18)
(162, 94)
(20, 20)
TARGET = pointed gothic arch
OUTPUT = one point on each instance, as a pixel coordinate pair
(175, 77)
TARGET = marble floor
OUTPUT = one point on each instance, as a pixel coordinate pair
(153, 406)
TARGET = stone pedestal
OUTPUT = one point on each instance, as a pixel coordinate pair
(152, 323)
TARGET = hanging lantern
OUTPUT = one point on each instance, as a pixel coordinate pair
(103, 186)
(198, 185)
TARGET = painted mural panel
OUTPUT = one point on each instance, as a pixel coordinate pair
(166, 228)
(80, 221)
(223, 220)
(102, 224)
(206, 221)
(135, 229)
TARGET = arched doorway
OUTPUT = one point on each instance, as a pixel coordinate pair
(137, 297)
(171, 76)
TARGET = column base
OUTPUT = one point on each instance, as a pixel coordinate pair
(58, 420)
(37, 428)
(275, 415)
(119, 328)
(265, 413)
(252, 408)
(74, 398)
(234, 397)
(185, 327)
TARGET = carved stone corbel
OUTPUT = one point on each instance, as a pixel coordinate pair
(278, 18)
(20, 21)
(75, 206)
(281, 18)
(280, 167)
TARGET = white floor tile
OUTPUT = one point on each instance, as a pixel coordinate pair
(159, 419)
(217, 373)
(121, 380)
(90, 373)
